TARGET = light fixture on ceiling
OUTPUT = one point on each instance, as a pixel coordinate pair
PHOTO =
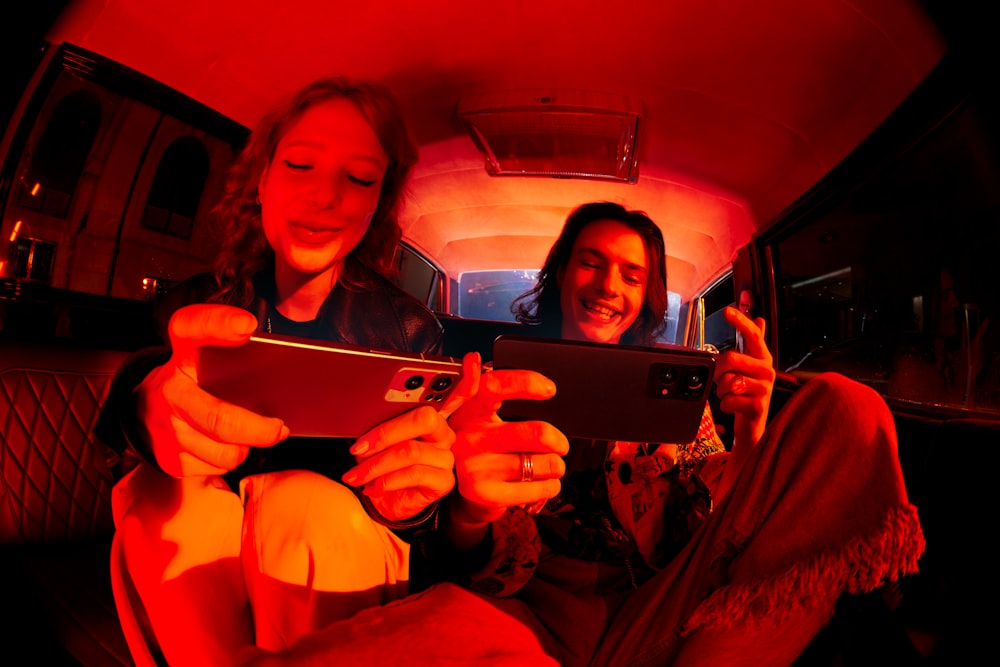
(562, 134)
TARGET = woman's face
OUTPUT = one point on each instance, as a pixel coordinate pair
(321, 188)
(602, 287)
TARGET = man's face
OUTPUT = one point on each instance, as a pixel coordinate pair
(602, 287)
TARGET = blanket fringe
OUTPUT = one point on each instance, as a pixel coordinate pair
(861, 565)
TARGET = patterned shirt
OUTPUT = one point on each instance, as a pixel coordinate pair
(618, 500)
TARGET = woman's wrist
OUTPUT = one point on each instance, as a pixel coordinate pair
(425, 516)
(118, 425)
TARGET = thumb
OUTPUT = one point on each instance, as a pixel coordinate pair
(194, 327)
(467, 386)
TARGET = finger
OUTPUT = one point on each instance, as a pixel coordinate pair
(467, 386)
(510, 494)
(508, 467)
(533, 493)
(535, 467)
(195, 326)
(498, 386)
(412, 455)
(501, 385)
(749, 401)
(730, 401)
(495, 387)
(219, 420)
(734, 363)
(737, 406)
(762, 325)
(431, 482)
(752, 331)
(737, 384)
(191, 466)
(744, 382)
(200, 455)
(537, 437)
(423, 422)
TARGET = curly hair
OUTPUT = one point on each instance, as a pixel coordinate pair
(244, 248)
(540, 305)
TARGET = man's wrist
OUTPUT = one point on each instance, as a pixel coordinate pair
(461, 513)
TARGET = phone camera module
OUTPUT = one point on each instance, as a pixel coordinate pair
(694, 379)
(668, 375)
(441, 383)
(414, 382)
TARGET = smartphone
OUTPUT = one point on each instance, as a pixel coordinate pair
(323, 389)
(611, 392)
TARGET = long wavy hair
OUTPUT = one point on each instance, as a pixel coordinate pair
(540, 305)
(244, 248)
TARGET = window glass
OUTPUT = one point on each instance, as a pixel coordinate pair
(176, 191)
(32, 259)
(674, 331)
(718, 331)
(107, 183)
(418, 276)
(488, 295)
(121, 185)
(896, 285)
(55, 167)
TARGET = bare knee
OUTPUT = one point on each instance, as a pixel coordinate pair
(168, 526)
(291, 513)
(841, 397)
(837, 385)
(301, 498)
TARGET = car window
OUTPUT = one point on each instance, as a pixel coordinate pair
(418, 276)
(896, 284)
(488, 295)
(718, 331)
(106, 197)
(108, 189)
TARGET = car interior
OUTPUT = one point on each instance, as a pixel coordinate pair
(839, 160)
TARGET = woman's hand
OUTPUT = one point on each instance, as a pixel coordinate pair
(492, 457)
(745, 381)
(190, 431)
(406, 463)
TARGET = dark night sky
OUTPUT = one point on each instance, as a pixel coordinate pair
(22, 28)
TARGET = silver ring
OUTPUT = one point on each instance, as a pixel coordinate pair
(739, 385)
(527, 467)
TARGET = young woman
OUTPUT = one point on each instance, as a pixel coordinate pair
(235, 535)
(672, 553)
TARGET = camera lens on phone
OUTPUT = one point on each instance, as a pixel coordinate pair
(441, 383)
(414, 381)
(668, 375)
(695, 379)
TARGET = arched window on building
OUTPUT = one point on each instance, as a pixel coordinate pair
(32, 259)
(177, 187)
(51, 178)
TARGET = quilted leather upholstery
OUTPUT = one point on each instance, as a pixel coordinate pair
(55, 485)
(55, 504)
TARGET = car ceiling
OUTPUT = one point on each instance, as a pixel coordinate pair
(746, 105)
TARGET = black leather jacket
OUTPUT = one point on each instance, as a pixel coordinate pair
(383, 316)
